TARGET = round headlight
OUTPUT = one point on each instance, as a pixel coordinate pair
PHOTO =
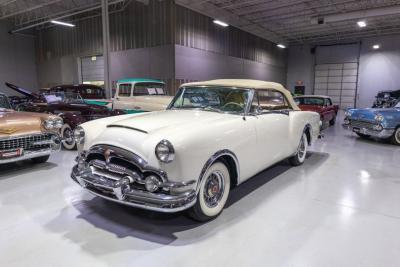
(49, 124)
(79, 135)
(165, 151)
(379, 117)
(152, 183)
(347, 113)
(58, 123)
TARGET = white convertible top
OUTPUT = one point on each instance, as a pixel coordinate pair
(250, 84)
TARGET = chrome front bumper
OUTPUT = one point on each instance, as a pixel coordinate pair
(385, 133)
(54, 146)
(120, 191)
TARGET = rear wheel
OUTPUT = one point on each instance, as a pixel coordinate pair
(365, 136)
(67, 136)
(213, 193)
(42, 159)
(395, 139)
(301, 152)
(332, 121)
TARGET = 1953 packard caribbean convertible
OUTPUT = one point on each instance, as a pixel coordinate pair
(27, 135)
(213, 136)
(383, 123)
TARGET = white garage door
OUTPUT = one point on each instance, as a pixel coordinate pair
(92, 69)
(339, 81)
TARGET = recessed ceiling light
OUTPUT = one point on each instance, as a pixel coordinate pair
(220, 23)
(281, 46)
(376, 46)
(62, 23)
(362, 24)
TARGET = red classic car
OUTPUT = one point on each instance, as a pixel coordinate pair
(320, 104)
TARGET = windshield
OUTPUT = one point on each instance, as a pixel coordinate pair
(309, 101)
(4, 102)
(218, 99)
(66, 97)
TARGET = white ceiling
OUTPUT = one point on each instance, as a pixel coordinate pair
(291, 21)
(281, 21)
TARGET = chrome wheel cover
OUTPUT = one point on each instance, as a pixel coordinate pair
(302, 149)
(214, 188)
(68, 137)
(397, 135)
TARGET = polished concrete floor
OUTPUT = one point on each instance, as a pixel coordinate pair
(341, 208)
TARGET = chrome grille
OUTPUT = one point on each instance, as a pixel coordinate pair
(25, 142)
(362, 124)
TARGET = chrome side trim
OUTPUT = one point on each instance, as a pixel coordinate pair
(126, 127)
(212, 159)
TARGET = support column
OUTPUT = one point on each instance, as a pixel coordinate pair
(106, 47)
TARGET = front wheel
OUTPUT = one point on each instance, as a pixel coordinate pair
(395, 139)
(67, 136)
(301, 152)
(213, 193)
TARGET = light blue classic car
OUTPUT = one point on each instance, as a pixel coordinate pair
(383, 123)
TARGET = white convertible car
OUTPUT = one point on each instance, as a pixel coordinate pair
(214, 135)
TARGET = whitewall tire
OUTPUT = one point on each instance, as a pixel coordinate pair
(395, 139)
(67, 136)
(301, 152)
(213, 193)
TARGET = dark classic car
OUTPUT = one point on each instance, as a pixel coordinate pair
(91, 94)
(382, 123)
(386, 99)
(69, 106)
(321, 104)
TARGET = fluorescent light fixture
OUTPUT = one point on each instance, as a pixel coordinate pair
(62, 23)
(376, 46)
(281, 46)
(361, 23)
(220, 23)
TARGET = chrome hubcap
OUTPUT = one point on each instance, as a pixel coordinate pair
(302, 148)
(398, 135)
(67, 136)
(214, 189)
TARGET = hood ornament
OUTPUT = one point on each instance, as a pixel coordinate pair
(8, 130)
(107, 155)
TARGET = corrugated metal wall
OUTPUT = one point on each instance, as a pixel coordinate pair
(138, 26)
(198, 31)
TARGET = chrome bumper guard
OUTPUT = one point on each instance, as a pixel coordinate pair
(54, 146)
(120, 191)
(384, 133)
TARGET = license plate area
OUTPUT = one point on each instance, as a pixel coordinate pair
(6, 154)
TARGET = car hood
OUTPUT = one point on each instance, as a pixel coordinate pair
(151, 122)
(19, 123)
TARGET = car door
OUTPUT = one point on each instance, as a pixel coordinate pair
(123, 97)
(330, 109)
(271, 111)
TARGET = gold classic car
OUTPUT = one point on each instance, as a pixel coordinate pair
(27, 135)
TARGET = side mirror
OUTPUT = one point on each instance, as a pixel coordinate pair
(258, 110)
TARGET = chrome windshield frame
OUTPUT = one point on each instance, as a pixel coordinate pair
(246, 109)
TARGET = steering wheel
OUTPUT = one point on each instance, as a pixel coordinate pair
(234, 104)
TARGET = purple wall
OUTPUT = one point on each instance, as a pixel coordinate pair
(196, 64)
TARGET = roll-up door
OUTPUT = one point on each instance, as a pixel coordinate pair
(339, 81)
